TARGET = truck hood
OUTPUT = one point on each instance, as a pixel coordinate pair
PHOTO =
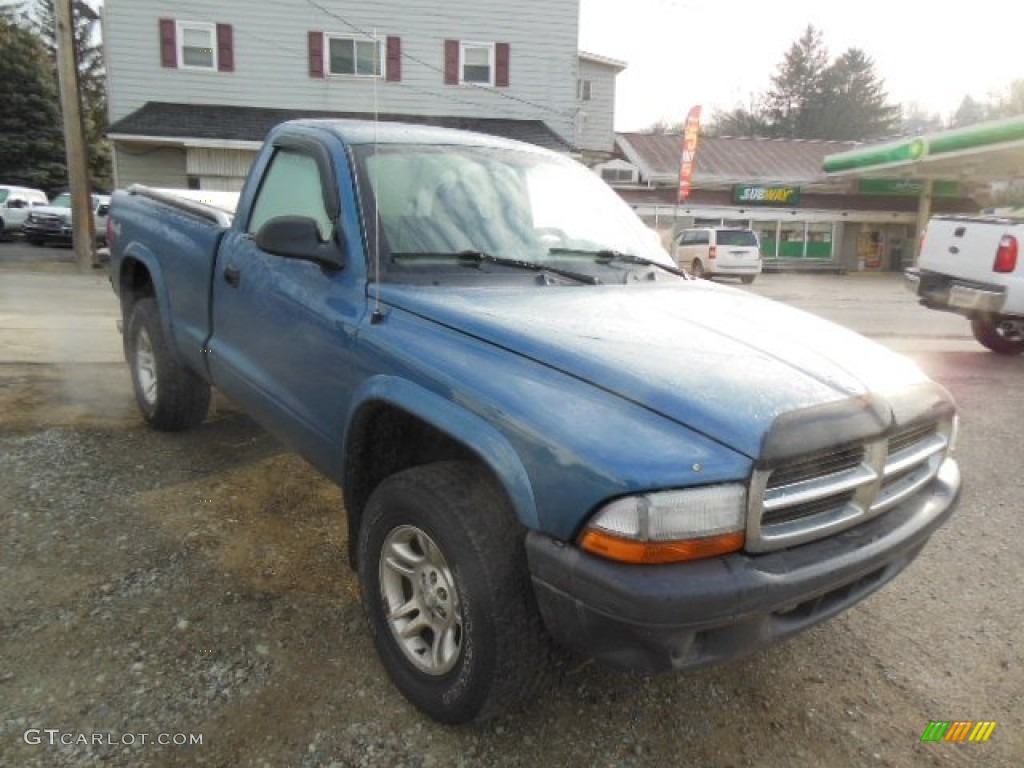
(718, 360)
(51, 210)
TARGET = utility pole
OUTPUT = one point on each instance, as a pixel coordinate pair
(82, 225)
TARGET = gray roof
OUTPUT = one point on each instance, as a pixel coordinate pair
(727, 160)
(216, 122)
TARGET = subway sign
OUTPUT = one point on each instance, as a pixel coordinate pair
(762, 195)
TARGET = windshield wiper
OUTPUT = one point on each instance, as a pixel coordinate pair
(608, 255)
(475, 258)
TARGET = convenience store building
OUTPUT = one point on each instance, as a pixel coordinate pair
(804, 217)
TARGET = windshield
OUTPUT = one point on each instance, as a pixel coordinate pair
(63, 200)
(529, 206)
(736, 237)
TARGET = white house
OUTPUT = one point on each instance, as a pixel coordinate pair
(195, 86)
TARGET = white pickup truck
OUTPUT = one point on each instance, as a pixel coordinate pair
(971, 265)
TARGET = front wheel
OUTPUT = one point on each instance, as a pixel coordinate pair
(747, 279)
(1001, 335)
(447, 593)
(169, 395)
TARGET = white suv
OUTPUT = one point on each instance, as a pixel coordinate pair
(15, 204)
(718, 252)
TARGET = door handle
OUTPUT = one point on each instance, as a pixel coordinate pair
(232, 275)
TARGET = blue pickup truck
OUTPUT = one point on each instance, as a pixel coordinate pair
(546, 433)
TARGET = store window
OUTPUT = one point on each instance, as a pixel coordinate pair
(819, 240)
(768, 235)
(791, 240)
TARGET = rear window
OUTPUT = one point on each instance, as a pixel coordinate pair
(736, 237)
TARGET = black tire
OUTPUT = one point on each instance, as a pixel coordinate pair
(747, 279)
(34, 241)
(1003, 336)
(470, 582)
(697, 268)
(169, 395)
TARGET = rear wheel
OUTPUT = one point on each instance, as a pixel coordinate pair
(697, 268)
(747, 279)
(447, 593)
(169, 395)
(1001, 335)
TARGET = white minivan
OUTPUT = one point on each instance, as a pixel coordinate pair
(15, 204)
(718, 252)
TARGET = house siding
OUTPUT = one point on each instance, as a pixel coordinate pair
(597, 116)
(271, 58)
(149, 165)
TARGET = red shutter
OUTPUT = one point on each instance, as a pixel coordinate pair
(168, 44)
(394, 61)
(501, 54)
(225, 48)
(316, 54)
(451, 62)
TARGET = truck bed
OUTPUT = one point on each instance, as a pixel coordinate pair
(177, 238)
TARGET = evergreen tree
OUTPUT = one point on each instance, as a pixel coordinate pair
(91, 77)
(33, 153)
(854, 102)
(795, 102)
(811, 98)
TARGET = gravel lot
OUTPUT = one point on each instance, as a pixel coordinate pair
(160, 587)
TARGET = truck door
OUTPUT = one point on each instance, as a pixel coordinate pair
(283, 329)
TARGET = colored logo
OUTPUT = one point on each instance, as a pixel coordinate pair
(958, 730)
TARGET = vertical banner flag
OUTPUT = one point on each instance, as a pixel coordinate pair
(691, 131)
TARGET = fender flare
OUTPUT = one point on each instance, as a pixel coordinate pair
(476, 434)
(137, 252)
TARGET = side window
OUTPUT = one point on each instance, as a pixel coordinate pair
(291, 187)
(704, 238)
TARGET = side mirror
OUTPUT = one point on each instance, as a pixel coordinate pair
(298, 237)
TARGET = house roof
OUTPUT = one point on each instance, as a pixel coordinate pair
(727, 160)
(596, 58)
(157, 119)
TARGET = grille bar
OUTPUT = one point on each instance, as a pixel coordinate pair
(814, 496)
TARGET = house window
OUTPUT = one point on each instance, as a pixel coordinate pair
(476, 63)
(617, 174)
(197, 45)
(583, 89)
(355, 56)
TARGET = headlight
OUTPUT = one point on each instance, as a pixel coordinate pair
(669, 526)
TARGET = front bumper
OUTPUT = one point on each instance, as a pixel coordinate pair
(32, 231)
(708, 611)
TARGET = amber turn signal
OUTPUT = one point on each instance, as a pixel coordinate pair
(606, 545)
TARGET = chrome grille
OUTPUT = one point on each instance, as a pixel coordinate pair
(812, 496)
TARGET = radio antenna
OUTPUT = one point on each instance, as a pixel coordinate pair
(377, 315)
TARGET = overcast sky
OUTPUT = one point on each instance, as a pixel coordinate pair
(720, 52)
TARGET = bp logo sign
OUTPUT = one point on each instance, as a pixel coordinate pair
(761, 195)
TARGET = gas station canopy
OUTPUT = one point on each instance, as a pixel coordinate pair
(979, 153)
